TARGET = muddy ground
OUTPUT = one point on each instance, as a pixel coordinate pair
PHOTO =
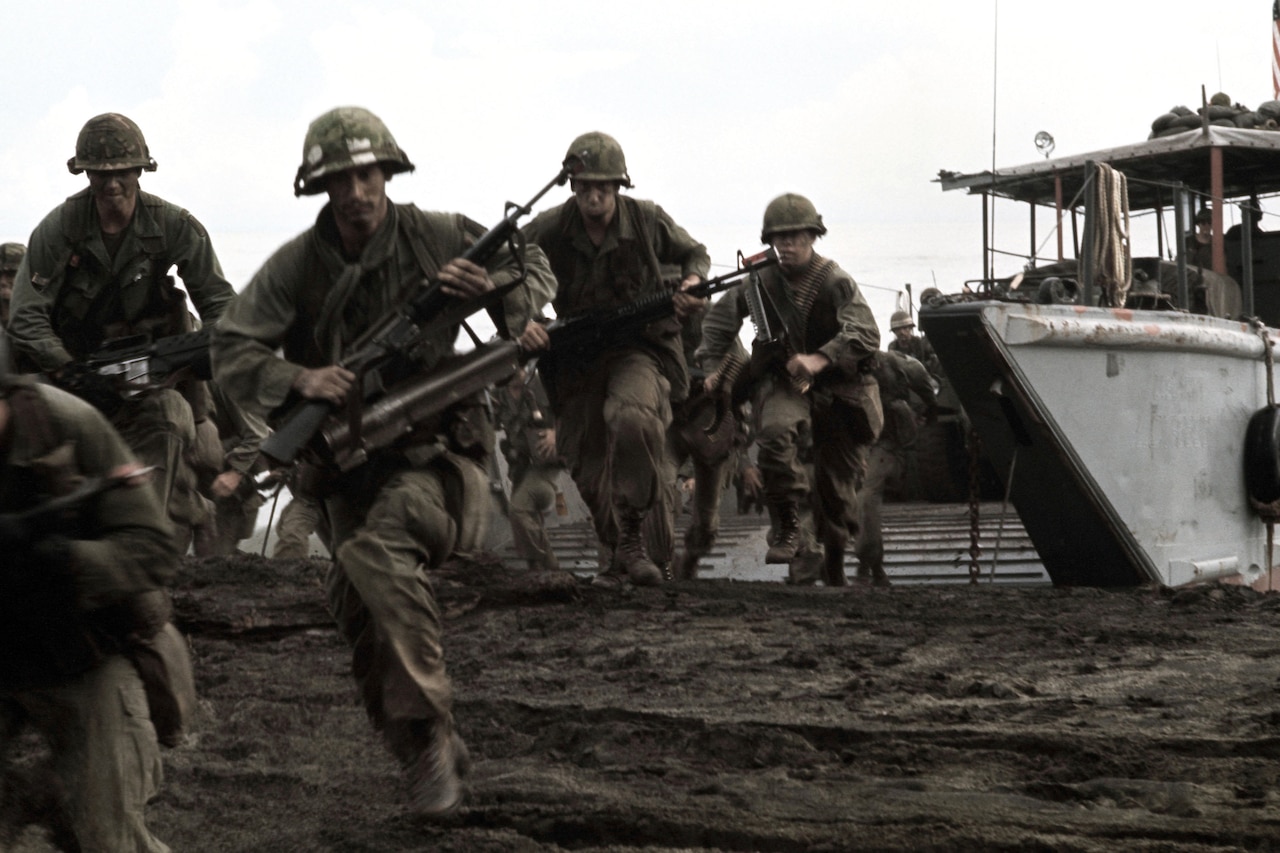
(744, 716)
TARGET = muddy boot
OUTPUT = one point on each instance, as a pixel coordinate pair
(434, 774)
(687, 565)
(805, 568)
(785, 546)
(630, 554)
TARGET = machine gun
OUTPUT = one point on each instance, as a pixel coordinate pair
(768, 349)
(589, 330)
(429, 311)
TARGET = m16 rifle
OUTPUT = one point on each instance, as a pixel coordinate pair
(428, 311)
(132, 365)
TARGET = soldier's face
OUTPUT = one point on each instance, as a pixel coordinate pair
(794, 248)
(597, 200)
(904, 333)
(359, 197)
(116, 188)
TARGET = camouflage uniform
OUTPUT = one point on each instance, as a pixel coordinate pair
(522, 410)
(899, 376)
(65, 671)
(424, 498)
(613, 404)
(838, 416)
(77, 288)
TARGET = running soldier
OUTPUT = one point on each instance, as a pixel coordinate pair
(96, 269)
(814, 385)
(413, 504)
(533, 466)
(10, 259)
(613, 405)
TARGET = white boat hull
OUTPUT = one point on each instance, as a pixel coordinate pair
(1124, 432)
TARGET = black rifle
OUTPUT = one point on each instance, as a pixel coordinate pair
(590, 329)
(430, 310)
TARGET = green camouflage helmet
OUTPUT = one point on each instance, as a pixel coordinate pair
(601, 156)
(342, 138)
(109, 142)
(11, 255)
(791, 212)
(900, 320)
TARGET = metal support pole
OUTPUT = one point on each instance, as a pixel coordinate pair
(1182, 297)
(1090, 223)
(1246, 257)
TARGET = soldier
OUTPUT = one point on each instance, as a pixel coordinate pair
(533, 466)
(815, 388)
(226, 462)
(413, 504)
(899, 376)
(97, 268)
(906, 341)
(613, 405)
(10, 259)
(69, 591)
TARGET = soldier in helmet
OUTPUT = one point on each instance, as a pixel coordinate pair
(97, 268)
(613, 405)
(68, 592)
(413, 504)
(10, 259)
(816, 388)
(906, 341)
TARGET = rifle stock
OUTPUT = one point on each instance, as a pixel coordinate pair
(430, 310)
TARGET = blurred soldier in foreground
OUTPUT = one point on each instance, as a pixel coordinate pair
(78, 587)
(813, 383)
(413, 504)
(899, 376)
(613, 404)
(10, 259)
(533, 466)
(97, 269)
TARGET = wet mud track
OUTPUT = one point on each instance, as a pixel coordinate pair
(716, 715)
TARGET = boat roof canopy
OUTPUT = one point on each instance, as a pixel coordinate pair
(1251, 166)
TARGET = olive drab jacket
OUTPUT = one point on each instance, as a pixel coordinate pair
(626, 267)
(58, 619)
(839, 324)
(72, 293)
(900, 376)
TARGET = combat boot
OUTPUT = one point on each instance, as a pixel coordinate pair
(435, 774)
(805, 568)
(785, 546)
(687, 565)
(630, 553)
(871, 566)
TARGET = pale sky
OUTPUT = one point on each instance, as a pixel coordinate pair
(720, 106)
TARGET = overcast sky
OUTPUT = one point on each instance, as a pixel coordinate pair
(720, 106)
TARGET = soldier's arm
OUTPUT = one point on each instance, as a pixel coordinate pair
(676, 246)
(34, 289)
(198, 267)
(720, 329)
(858, 335)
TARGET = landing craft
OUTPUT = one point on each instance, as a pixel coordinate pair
(1129, 407)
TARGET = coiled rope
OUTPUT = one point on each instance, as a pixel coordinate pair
(1110, 238)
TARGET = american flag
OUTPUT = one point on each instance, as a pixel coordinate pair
(1275, 48)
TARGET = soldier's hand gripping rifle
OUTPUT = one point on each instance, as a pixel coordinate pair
(132, 365)
(585, 331)
(768, 349)
(428, 311)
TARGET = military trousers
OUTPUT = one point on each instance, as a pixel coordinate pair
(386, 531)
(533, 494)
(884, 462)
(159, 428)
(103, 750)
(611, 427)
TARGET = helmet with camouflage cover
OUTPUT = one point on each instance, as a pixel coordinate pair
(109, 142)
(342, 138)
(11, 255)
(791, 212)
(900, 320)
(601, 157)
